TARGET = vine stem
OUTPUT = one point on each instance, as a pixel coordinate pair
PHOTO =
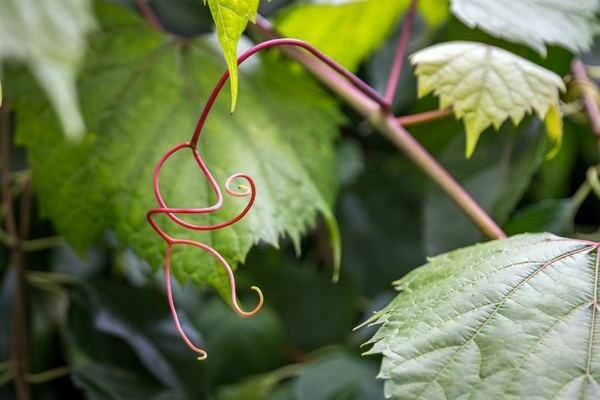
(20, 355)
(385, 122)
(423, 117)
(149, 15)
(405, 32)
(591, 107)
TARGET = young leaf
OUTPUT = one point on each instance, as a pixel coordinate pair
(50, 38)
(231, 18)
(350, 31)
(141, 92)
(536, 23)
(514, 318)
(485, 85)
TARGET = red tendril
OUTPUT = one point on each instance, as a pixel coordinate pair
(243, 190)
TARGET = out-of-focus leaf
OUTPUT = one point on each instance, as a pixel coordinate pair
(350, 161)
(381, 224)
(187, 18)
(156, 86)
(350, 31)
(536, 23)
(497, 177)
(315, 311)
(231, 18)
(50, 38)
(485, 85)
(140, 318)
(130, 328)
(555, 216)
(511, 319)
(553, 180)
(554, 130)
(239, 346)
(107, 382)
(258, 388)
(261, 387)
(338, 376)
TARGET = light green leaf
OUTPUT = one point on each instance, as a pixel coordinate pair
(141, 94)
(485, 85)
(350, 31)
(509, 319)
(50, 38)
(231, 18)
(536, 23)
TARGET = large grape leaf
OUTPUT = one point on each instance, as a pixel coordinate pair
(484, 84)
(231, 18)
(349, 31)
(510, 319)
(141, 94)
(536, 23)
(50, 37)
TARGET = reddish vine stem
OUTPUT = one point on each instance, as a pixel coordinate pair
(385, 122)
(423, 117)
(396, 69)
(352, 79)
(580, 74)
(20, 352)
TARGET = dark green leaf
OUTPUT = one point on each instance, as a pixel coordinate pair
(338, 376)
(102, 382)
(496, 177)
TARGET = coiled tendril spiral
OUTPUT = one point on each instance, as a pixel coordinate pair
(248, 190)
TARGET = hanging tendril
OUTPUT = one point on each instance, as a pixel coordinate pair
(248, 190)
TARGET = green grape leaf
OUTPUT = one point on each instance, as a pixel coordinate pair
(141, 93)
(50, 37)
(510, 319)
(535, 23)
(231, 18)
(350, 31)
(485, 85)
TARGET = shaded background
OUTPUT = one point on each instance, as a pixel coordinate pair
(103, 320)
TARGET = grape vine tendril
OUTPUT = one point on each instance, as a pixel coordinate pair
(243, 190)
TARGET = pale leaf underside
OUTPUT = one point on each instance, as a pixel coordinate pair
(50, 37)
(568, 23)
(485, 85)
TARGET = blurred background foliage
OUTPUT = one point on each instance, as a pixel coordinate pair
(99, 322)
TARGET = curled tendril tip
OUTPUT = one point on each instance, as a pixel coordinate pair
(243, 190)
